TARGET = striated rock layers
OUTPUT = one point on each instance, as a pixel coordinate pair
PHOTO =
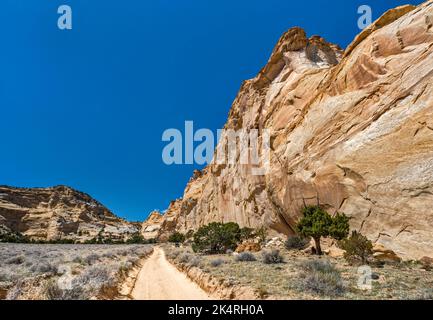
(352, 130)
(59, 213)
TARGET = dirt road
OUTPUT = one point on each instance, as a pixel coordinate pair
(160, 280)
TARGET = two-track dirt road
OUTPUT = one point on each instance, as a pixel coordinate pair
(160, 280)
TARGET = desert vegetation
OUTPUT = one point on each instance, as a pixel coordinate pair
(217, 238)
(295, 274)
(358, 249)
(317, 223)
(177, 237)
(7, 236)
(320, 277)
(298, 268)
(64, 271)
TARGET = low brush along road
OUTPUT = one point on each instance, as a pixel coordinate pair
(160, 280)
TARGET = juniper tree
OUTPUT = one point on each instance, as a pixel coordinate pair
(317, 223)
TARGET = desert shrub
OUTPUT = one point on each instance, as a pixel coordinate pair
(91, 241)
(317, 265)
(194, 262)
(77, 259)
(131, 252)
(3, 276)
(321, 277)
(151, 241)
(125, 266)
(173, 254)
(247, 233)
(108, 255)
(143, 251)
(272, 257)
(176, 237)
(317, 223)
(54, 292)
(95, 277)
(296, 243)
(184, 257)
(263, 293)
(216, 262)
(8, 236)
(358, 248)
(91, 258)
(189, 234)
(424, 294)
(217, 238)
(8, 275)
(60, 241)
(15, 260)
(261, 233)
(135, 238)
(123, 252)
(132, 260)
(245, 257)
(44, 267)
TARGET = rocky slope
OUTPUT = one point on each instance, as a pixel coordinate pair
(352, 130)
(58, 213)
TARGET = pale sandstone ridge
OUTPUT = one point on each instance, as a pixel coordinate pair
(351, 130)
(160, 226)
(387, 18)
(59, 213)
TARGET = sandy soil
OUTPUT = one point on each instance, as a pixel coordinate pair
(160, 280)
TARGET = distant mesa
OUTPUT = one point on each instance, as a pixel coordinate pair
(59, 213)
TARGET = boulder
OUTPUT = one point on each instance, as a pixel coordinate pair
(334, 252)
(426, 262)
(275, 243)
(248, 246)
(383, 254)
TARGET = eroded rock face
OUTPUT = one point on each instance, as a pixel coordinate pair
(59, 213)
(161, 226)
(352, 130)
(152, 226)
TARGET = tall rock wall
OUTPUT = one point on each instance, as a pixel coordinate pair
(352, 130)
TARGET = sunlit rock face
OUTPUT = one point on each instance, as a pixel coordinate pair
(59, 213)
(352, 131)
(161, 226)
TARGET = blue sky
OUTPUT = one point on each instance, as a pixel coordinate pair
(87, 107)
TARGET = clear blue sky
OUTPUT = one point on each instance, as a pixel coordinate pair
(87, 107)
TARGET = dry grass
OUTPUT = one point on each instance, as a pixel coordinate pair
(63, 272)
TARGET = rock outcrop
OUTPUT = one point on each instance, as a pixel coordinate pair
(380, 253)
(160, 226)
(352, 130)
(59, 213)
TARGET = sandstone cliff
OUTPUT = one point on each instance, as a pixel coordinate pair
(58, 213)
(352, 130)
